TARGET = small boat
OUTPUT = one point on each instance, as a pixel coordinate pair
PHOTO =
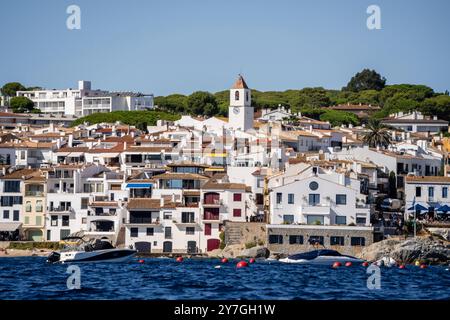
(98, 251)
(322, 256)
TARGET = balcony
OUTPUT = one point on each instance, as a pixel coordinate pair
(60, 209)
(212, 203)
(146, 221)
(211, 217)
(34, 193)
(67, 190)
(186, 222)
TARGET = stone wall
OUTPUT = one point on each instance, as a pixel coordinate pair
(326, 231)
(245, 232)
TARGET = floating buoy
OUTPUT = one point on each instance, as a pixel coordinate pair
(252, 260)
(417, 263)
(423, 266)
(179, 259)
(365, 264)
(337, 264)
(348, 264)
(217, 267)
(242, 264)
(224, 260)
(402, 266)
(141, 261)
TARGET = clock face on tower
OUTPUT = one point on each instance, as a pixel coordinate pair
(236, 110)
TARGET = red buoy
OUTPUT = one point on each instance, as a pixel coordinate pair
(224, 260)
(402, 266)
(179, 259)
(423, 266)
(337, 264)
(348, 264)
(141, 261)
(242, 264)
(252, 260)
(365, 264)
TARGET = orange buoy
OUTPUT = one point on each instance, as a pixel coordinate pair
(242, 264)
(141, 261)
(252, 260)
(423, 266)
(337, 264)
(179, 259)
(348, 264)
(365, 264)
(224, 260)
(402, 266)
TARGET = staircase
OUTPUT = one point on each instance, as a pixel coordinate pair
(233, 234)
(120, 239)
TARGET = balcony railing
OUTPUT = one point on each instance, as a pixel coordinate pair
(34, 193)
(143, 221)
(213, 217)
(60, 209)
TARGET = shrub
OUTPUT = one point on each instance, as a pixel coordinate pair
(250, 244)
(34, 245)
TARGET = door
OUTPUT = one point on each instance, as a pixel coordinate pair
(192, 247)
(143, 246)
(213, 244)
(167, 246)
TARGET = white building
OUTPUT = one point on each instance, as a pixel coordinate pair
(415, 121)
(240, 112)
(84, 101)
(310, 195)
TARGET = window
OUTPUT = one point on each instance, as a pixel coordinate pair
(190, 230)
(288, 219)
(38, 220)
(341, 199)
(83, 220)
(430, 192)
(188, 217)
(236, 95)
(149, 231)
(27, 220)
(360, 220)
(64, 233)
(418, 191)
(279, 197)
(65, 221)
(167, 215)
(275, 239)
(237, 212)
(314, 199)
(134, 232)
(28, 206)
(49, 234)
(290, 198)
(295, 239)
(316, 240)
(444, 192)
(39, 206)
(84, 203)
(358, 241)
(237, 196)
(5, 214)
(11, 186)
(314, 185)
(341, 220)
(314, 219)
(336, 241)
(16, 214)
(208, 228)
(54, 221)
(246, 95)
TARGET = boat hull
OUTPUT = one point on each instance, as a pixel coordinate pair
(323, 260)
(108, 255)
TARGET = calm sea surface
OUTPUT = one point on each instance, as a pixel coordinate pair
(32, 278)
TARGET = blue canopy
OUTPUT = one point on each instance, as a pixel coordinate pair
(418, 207)
(444, 208)
(139, 185)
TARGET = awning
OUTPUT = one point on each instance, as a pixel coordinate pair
(75, 154)
(444, 208)
(139, 185)
(10, 226)
(62, 154)
(110, 155)
(418, 207)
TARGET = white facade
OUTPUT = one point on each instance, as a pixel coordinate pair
(240, 112)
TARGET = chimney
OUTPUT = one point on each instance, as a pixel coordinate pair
(125, 145)
(161, 201)
(70, 142)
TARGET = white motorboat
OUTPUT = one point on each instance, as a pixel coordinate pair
(99, 251)
(322, 256)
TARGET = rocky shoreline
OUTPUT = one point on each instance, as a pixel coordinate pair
(14, 253)
(428, 249)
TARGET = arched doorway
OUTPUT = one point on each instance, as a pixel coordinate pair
(167, 246)
(212, 244)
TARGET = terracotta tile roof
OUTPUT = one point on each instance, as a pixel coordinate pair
(176, 175)
(104, 204)
(223, 186)
(430, 179)
(19, 174)
(149, 204)
(147, 149)
(240, 83)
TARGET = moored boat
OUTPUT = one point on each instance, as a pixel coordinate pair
(322, 257)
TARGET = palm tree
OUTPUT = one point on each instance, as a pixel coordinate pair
(378, 135)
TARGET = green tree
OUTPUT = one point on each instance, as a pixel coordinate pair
(172, 103)
(437, 106)
(21, 104)
(378, 134)
(311, 97)
(202, 103)
(338, 118)
(366, 80)
(10, 89)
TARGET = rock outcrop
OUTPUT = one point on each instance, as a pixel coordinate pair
(425, 249)
(255, 252)
(236, 250)
(441, 232)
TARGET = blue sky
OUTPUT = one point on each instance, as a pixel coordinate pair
(169, 46)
